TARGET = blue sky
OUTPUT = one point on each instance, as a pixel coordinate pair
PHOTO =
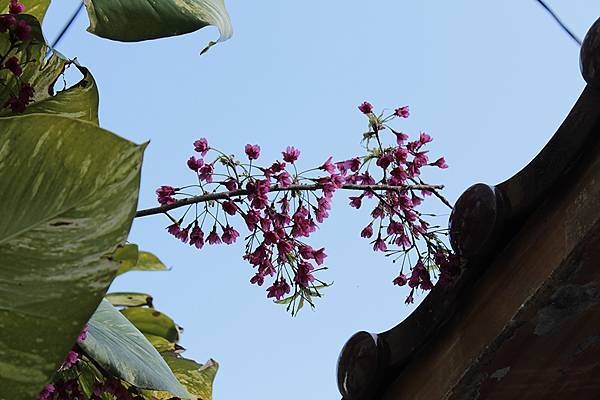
(490, 81)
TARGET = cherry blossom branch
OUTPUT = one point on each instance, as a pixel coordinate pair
(281, 207)
(276, 188)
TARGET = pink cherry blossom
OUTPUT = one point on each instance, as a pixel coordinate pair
(71, 359)
(402, 112)
(356, 202)
(284, 179)
(319, 256)
(83, 334)
(440, 163)
(379, 244)
(252, 151)
(201, 146)
(231, 184)
(174, 229)
(229, 207)
(197, 237)
(47, 393)
(400, 280)
(205, 173)
(213, 237)
(229, 235)
(194, 164)
(367, 232)
(291, 154)
(424, 138)
(303, 275)
(328, 166)
(165, 195)
(15, 7)
(366, 108)
(278, 289)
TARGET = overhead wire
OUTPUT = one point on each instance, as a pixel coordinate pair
(542, 3)
(559, 22)
(66, 27)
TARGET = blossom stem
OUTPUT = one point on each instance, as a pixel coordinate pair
(276, 188)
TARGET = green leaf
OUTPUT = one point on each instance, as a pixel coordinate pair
(127, 255)
(121, 299)
(286, 300)
(40, 72)
(87, 376)
(152, 322)
(300, 305)
(80, 101)
(69, 196)
(120, 348)
(196, 378)
(36, 8)
(146, 262)
(135, 20)
(161, 344)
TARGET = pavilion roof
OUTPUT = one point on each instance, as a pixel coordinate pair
(523, 319)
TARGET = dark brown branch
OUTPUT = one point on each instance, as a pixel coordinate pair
(243, 192)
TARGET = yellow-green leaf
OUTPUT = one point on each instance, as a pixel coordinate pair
(152, 322)
(126, 299)
(196, 378)
(145, 262)
(161, 344)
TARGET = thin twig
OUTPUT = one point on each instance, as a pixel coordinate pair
(562, 25)
(243, 192)
(442, 198)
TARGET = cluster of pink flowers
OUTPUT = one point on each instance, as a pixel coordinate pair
(70, 389)
(281, 207)
(62, 390)
(397, 226)
(66, 389)
(19, 31)
(73, 355)
(115, 389)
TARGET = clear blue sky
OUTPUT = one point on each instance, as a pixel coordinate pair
(490, 81)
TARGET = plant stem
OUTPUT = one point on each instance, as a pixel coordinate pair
(276, 188)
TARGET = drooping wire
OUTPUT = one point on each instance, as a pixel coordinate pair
(562, 25)
(66, 27)
(75, 14)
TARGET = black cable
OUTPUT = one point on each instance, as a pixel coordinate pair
(67, 26)
(562, 25)
(541, 2)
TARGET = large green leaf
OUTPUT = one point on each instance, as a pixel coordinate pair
(37, 8)
(120, 348)
(69, 194)
(196, 378)
(134, 20)
(153, 322)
